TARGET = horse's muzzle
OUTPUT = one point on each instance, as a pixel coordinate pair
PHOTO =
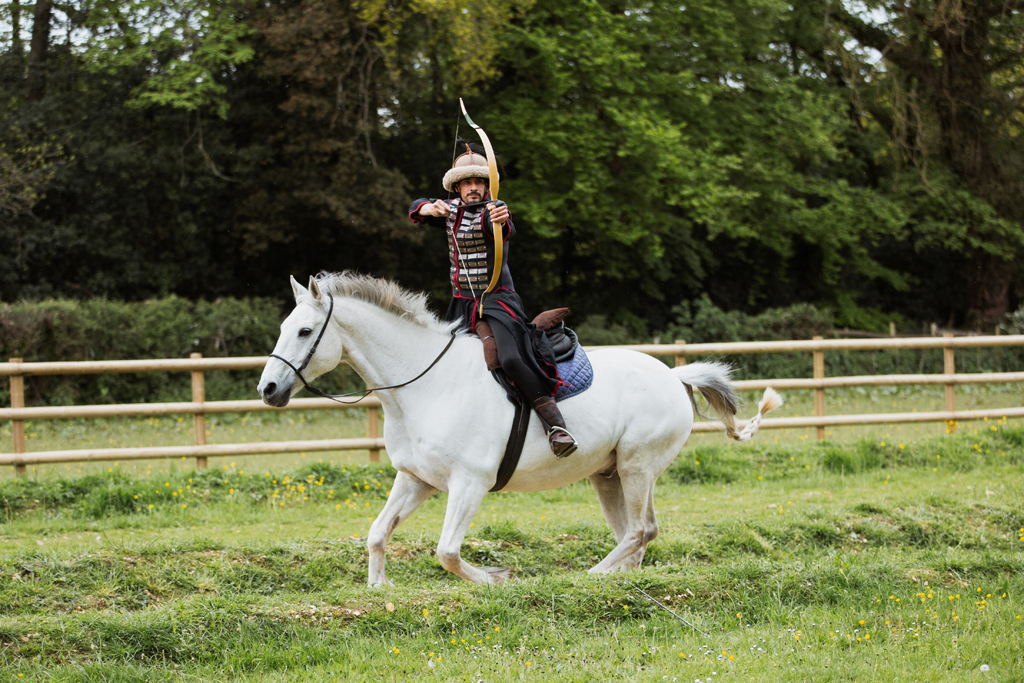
(275, 395)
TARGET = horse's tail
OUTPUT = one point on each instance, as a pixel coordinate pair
(712, 380)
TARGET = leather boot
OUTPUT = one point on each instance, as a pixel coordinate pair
(490, 346)
(561, 441)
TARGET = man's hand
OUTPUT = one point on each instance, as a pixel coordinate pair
(439, 209)
(499, 214)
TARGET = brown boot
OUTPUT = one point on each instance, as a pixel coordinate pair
(561, 441)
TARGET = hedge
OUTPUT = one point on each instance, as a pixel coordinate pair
(173, 327)
(700, 321)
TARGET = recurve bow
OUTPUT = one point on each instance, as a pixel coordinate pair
(498, 228)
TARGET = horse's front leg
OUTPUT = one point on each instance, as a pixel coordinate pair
(407, 494)
(464, 499)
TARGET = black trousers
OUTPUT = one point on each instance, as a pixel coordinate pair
(510, 356)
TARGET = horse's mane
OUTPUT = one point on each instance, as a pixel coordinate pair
(384, 294)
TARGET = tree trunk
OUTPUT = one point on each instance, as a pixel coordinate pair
(16, 45)
(960, 100)
(39, 49)
(990, 290)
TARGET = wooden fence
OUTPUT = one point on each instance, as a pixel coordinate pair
(199, 407)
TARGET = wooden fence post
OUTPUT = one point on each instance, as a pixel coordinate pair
(199, 421)
(373, 431)
(819, 392)
(17, 426)
(949, 368)
(680, 357)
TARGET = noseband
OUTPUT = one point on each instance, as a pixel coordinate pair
(363, 394)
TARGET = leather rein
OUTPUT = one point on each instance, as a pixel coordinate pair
(363, 394)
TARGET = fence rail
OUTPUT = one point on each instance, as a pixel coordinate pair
(199, 407)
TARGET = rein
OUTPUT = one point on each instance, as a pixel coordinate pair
(363, 394)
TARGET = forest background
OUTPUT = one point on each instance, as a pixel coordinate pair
(660, 159)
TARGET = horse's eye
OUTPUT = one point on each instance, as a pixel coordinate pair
(305, 332)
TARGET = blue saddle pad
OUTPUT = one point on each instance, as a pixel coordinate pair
(577, 375)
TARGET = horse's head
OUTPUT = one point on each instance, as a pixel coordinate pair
(308, 342)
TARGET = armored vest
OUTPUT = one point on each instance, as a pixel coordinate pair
(468, 253)
(471, 252)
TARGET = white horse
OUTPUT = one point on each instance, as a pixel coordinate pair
(447, 431)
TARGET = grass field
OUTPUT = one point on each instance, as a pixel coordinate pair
(866, 558)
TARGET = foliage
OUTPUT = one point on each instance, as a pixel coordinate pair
(702, 321)
(26, 168)
(1014, 322)
(634, 180)
(462, 40)
(597, 330)
(183, 46)
(962, 134)
(651, 153)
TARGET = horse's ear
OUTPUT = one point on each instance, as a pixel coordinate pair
(314, 289)
(297, 289)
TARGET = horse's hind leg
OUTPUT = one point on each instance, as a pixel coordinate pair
(651, 524)
(464, 499)
(633, 500)
(613, 505)
(407, 494)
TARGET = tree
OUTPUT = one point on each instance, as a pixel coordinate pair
(661, 151)
(950, 96)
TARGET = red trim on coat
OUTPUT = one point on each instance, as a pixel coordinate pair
(476, 298)
(509, 310)
(414, 214)
(558, 377)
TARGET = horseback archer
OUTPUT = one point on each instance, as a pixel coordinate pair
(479, 229)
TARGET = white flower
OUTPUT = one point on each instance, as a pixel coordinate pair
(984, 667)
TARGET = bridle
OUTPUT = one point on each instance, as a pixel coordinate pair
(363, 394)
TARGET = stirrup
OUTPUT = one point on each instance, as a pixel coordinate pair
(568, 450)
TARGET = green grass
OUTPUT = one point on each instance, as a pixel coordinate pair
(837, 561)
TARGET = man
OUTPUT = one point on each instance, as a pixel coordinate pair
(523, 351)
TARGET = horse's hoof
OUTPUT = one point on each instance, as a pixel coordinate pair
(383, 583)
(498, 574)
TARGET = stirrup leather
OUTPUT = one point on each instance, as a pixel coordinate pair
(568, 450)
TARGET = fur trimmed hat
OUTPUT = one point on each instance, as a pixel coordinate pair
(468, 165)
